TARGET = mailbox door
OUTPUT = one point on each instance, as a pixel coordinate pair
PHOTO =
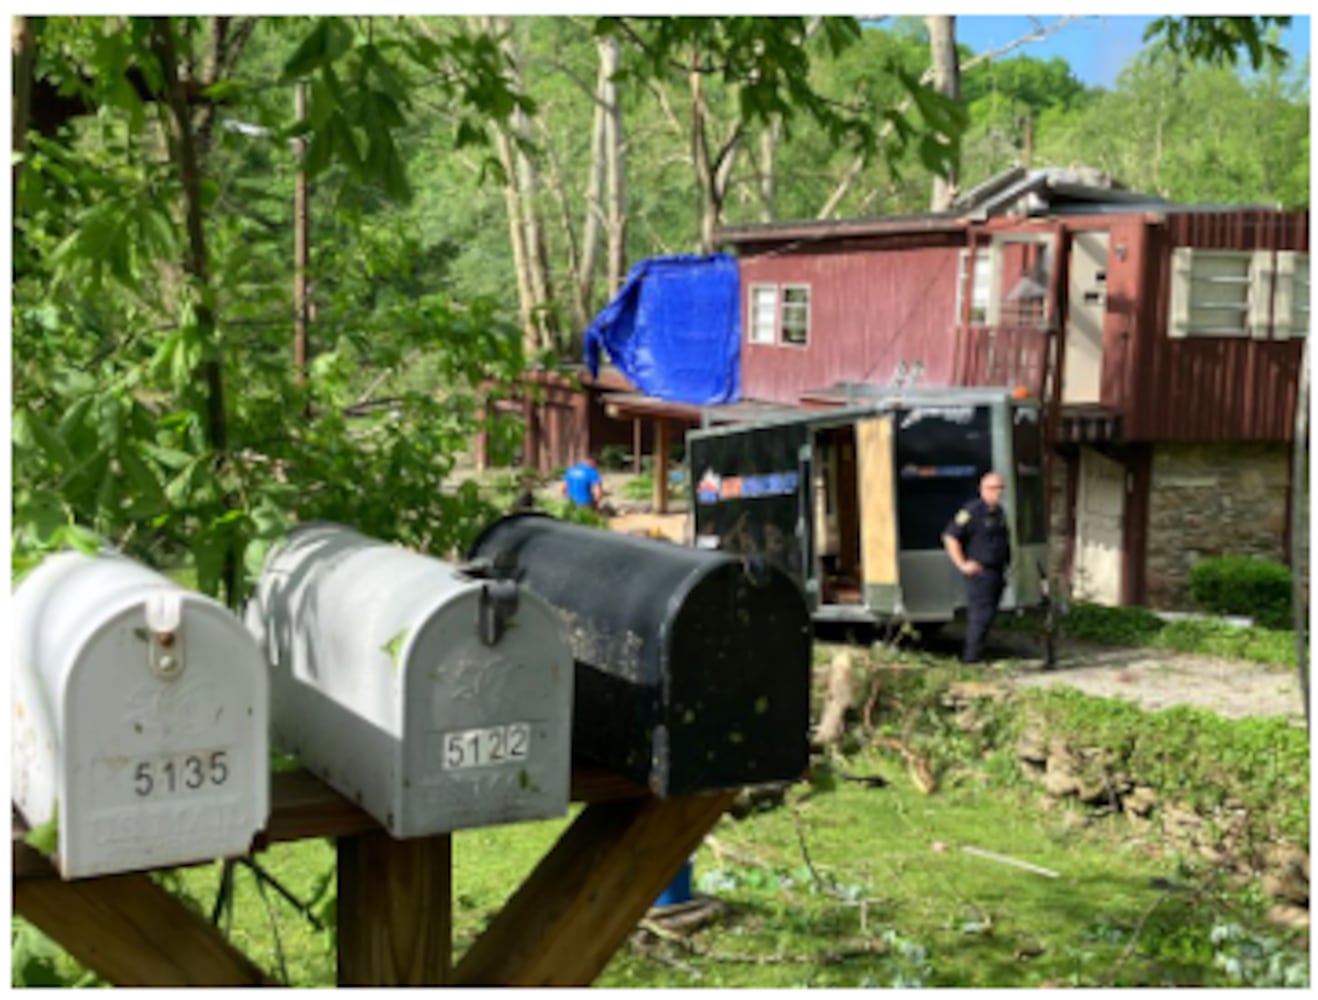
(743, 718)
(488, 737)
(163, 771)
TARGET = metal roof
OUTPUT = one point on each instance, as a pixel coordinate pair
(1046, 190)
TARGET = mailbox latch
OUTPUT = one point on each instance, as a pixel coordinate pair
(164, 618)
(498, 604)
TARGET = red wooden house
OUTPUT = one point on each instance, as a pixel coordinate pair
(1166, 338)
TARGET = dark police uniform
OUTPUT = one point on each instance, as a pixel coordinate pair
(984, 537)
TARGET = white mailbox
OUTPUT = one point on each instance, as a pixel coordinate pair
(433, 698)
(140, 714)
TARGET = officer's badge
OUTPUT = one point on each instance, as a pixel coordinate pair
(962, 517)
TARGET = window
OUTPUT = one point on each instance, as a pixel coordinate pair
(1219, 293)
(796, 314)
(1239, 293)
(763, 314)
(979, 293)
(779, 314)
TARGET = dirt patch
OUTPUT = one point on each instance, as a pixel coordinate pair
(1156, 680)
(1151, 678)
(670, 526)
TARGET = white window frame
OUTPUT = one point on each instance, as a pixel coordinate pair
(755, 331)
(803, 308)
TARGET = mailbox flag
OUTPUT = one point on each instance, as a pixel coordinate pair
(674, 329)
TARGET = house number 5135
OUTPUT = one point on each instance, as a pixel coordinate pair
(180, 773)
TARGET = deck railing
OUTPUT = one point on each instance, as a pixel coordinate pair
(1001, 355)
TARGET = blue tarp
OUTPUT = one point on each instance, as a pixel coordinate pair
(674, 329)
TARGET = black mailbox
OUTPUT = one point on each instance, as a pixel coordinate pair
(692, 667)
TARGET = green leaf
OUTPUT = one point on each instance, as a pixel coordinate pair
(51, 443)
(319, 151)
(328, 41)
(45, 838)
(83, 540)
(170, 458)
(208, 553)
(140, 477)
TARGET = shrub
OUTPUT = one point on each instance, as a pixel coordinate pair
(1124, 626)
(1243, 585)
(566, 510)
(639, 488)
(615, 458)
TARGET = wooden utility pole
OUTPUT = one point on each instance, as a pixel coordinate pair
(301, 244)
(1299, 527)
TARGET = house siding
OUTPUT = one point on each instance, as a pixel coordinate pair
(1210, 389)
(870, 311)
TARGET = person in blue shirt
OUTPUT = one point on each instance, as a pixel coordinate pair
(582, 484)
(978, 542)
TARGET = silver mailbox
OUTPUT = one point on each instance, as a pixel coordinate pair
(434, 698)
(140, 714)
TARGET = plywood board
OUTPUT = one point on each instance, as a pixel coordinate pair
(876, 493)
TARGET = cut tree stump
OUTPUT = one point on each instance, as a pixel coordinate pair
(837, 702)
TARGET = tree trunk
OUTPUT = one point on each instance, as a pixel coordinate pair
(839, 700)
(576, 259)
(768, 170)
(301, 244)
(946, 81)
(615, 169)
(590, 228)
(512, 199)
(527, 183)
(700, 160)
(196, 264)
(23, 46)
(517, 238)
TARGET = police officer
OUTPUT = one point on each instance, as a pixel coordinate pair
(979, 545)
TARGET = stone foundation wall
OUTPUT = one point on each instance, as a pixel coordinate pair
(1212, 500)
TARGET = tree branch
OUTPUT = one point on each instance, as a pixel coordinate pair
(858, 164)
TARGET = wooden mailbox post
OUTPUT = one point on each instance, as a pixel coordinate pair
(560, 928)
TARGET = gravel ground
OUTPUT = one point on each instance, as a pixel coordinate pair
(1154, 679)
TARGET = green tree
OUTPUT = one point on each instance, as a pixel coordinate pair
(155, 404)
(1191, 132)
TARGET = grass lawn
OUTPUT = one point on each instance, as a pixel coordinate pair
(893, 899)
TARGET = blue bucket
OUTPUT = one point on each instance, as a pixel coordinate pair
(678, 890)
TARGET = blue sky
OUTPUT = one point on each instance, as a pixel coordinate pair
(1096, 47)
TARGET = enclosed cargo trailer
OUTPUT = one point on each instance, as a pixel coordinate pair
(852, 502)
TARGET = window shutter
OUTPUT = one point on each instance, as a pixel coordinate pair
(1178, 322)
(1261, 272)
(1300, 299)
(1283, 303)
